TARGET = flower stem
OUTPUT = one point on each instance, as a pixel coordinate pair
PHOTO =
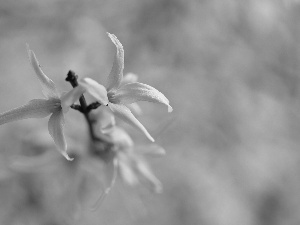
(105, 141)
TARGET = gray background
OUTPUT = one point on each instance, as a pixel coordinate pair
(230, 69)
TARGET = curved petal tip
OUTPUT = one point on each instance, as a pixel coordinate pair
(115, 40)
(125, 114)
(48, 86)
(67, 156)
(150, 138)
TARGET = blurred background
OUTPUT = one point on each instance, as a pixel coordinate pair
(230, 70)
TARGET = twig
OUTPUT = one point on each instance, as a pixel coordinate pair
(85, 109)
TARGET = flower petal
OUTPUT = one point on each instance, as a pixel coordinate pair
(95, 89)
(125, 114)
(70, 97)
(105, 120)
(55, 127)
(134, 92)
(108, 189)
(126, 170)
(116, 74)
(121, 138)
(135, 109)
(144, 169)
(48, 86)
(129, 78)
(151, 150)
(36, 108)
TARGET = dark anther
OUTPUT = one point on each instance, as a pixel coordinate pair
(72, 78)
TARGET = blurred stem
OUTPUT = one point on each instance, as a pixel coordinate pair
(102, 141)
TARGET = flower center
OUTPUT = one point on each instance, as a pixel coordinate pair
(111, 97)
(55, 104)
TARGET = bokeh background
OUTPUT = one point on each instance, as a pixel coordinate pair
(230, 69)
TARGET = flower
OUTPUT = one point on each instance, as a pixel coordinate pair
(54, 104)
(117, 94)
(128, 160)
(134, 107)
(131, 163)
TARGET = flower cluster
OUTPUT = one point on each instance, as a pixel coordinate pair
(117, 98)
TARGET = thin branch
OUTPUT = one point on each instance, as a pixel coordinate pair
(93, 105)
(85, 109)
(77, 107)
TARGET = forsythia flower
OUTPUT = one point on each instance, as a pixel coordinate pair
(116, 95)
(131, 162)
(134, 107)
(128, 160)
(54, 104)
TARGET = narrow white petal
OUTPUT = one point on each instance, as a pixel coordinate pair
(146, 172)
(126, 171)
(129, 78)
(121, 138)
(134, 92)
(71, 97)
(105, 193)
(48, 86)
(37, 108)
(135, 109)
(116, 74)
(106, 120)
(125, 114)
(151, 150)
(55, 127)
(95, 89)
